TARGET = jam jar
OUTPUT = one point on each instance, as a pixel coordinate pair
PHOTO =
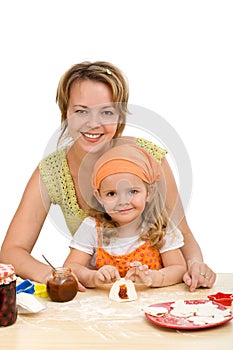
(8, 309)
(62, 285)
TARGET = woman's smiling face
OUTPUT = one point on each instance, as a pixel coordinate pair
(91, 114)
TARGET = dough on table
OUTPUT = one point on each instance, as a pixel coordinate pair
(123, 290)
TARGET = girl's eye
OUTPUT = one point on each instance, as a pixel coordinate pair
(111, 194)
(133, 191)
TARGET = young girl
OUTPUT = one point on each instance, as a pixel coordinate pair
(129, 233)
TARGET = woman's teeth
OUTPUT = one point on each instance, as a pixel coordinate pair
(92, 136)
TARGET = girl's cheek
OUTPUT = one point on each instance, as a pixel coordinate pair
(108, 205)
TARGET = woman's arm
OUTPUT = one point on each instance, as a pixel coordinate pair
(24, 230)
(196, 268)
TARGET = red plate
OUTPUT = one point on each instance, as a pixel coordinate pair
(170, 321)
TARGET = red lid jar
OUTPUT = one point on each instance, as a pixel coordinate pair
(8, 309)
(62, 286)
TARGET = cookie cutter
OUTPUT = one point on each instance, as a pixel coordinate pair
(222, 298)
(26, 286)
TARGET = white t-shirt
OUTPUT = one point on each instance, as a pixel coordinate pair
(86, 240)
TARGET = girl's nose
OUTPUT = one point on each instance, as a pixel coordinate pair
(123, 199)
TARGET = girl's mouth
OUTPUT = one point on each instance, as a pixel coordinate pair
(124, 210)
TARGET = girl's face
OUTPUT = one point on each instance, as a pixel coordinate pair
(123, 197)
(91, 115)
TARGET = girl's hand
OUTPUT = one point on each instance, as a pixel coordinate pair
(81, 288)
(199, 275)
(139, 273)
(106, 274)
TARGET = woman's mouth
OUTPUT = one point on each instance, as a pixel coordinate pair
(92, 137)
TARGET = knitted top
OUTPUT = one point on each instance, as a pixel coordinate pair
(57, 178)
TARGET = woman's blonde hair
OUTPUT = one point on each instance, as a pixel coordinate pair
(154, 219)
(99, 71)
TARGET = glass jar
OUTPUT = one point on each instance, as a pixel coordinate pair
(62, 285)
(8, 309)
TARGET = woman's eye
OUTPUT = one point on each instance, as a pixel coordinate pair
(81, 111)
(108, 113)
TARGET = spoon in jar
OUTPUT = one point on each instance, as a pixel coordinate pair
(49, 263)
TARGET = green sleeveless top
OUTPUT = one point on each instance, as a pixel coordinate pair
(57, 178)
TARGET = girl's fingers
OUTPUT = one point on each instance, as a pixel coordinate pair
(135, 264)
(143, 267)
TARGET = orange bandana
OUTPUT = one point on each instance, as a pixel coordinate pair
(126, 159)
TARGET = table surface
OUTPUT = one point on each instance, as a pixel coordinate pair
(92, 321)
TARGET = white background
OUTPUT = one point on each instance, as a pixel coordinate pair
(178, 58)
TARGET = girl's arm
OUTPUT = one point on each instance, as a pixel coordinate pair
(172, 272)
(77, 260)
(196, 268)
(24, 230)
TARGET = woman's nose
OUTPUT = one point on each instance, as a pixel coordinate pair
(93, 119)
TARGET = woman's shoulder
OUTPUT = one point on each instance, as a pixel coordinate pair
(51, 165)
(53, 162)
(155, 150)
(55, 156)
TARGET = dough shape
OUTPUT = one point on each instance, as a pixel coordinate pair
(199, 314)
(123, 290)
(155, 310)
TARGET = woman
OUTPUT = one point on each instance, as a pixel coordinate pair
(93, 101)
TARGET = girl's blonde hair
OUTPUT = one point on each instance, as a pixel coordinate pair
(154, 219)
(99, 71)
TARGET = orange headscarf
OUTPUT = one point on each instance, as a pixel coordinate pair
(127, 158)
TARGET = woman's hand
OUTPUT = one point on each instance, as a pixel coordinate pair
(199, 275)
(139, 273)
(106, 274)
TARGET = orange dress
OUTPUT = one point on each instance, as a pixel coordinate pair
(145, 254)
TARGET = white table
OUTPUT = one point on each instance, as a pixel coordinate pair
(92, 321)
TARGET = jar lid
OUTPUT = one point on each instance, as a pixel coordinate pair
(7, 274)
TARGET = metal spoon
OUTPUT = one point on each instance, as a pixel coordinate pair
(49, 263)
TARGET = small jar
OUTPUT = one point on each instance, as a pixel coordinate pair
(62, 285)
(8, 309)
